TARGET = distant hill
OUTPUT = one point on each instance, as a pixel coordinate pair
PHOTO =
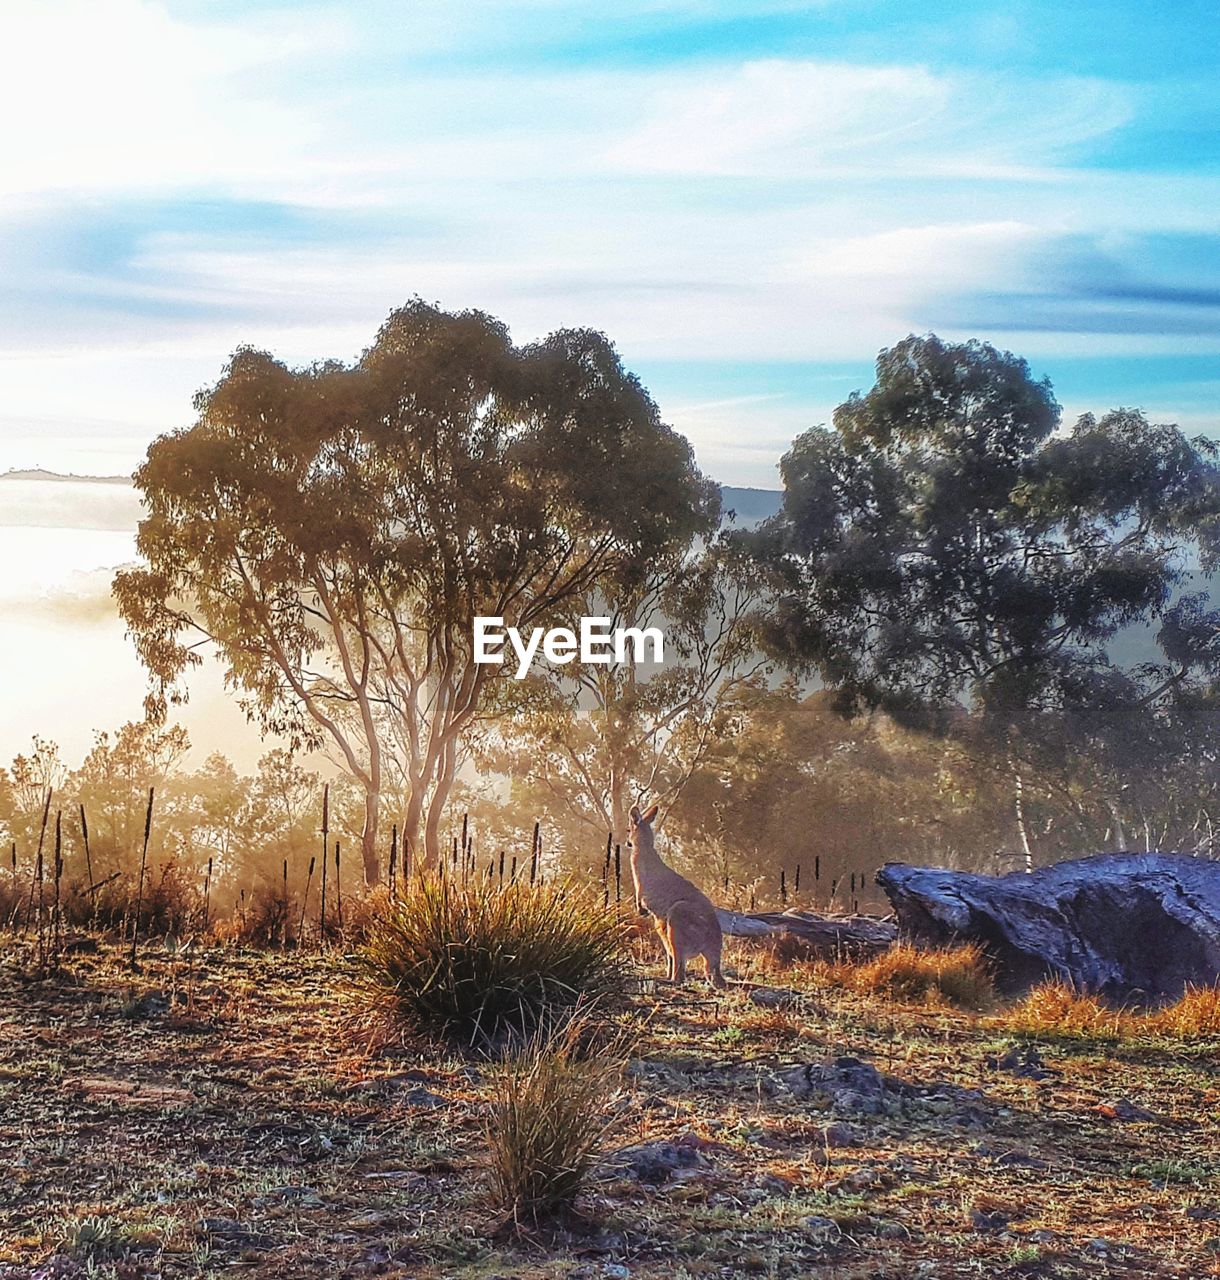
(750, 506)
(38, 473)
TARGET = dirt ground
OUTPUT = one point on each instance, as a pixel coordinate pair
(230, 1113)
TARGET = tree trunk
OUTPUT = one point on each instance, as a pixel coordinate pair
(618, 807)
(368, 839)
(1120, 832)
(822, 935)
(1022, 826)
(446, 770)
(411, 822)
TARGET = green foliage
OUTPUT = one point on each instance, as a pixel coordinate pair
(940, 547)
(548, 1114)
(334, 531)
(793, 779)
(100, 1238)
(483, 966)
(943, 555)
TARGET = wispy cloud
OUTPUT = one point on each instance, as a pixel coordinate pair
(784, 118)
(709, 181)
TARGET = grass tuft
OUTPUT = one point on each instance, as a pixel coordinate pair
(1057, 1009)
(956, 975)
(547, 1117)
(485, 966)
(1196, 1016)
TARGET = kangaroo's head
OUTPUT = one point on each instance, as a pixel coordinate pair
(641, 829)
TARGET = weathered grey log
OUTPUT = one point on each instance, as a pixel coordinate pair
(823, 935)
(1126, 926)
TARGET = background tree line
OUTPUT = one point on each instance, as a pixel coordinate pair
(926, 654)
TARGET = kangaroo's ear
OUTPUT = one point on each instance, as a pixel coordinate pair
(650, 813)
(635, 815)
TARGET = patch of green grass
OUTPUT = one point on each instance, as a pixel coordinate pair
(1174, 1172)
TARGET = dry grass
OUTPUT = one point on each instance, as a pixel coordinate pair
(1057, 1009)
(959, 976)
(1196, 1016)
(483, 965)
(241, 1131)
(549, 1111)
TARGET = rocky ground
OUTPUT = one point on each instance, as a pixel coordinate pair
(231, 1113)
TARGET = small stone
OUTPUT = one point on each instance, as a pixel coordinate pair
(775, 998)
(222, 1227)
(1125, 1109)
(656, 1162)
(861, 1179)
(891, 1231)
(422, 1099)
(840, 1135)
(822, 1229)
(616, 1271)
(1020, 1159)
(1023, 1061)
(849, 1085)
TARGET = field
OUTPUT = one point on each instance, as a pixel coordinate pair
(232, 1112)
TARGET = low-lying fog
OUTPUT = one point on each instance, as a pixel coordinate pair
(66, 668)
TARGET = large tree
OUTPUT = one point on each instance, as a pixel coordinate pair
(333, 531)
(943, 549)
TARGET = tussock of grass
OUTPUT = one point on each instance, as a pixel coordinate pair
(1195, 1016)
(484, 966)
(1057, 1009)
(547, 1117)
(956, 975)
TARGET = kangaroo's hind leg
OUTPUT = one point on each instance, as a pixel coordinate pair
(680, 957)
(665, 933)
(712, 955)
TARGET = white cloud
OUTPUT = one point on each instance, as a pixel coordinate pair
(805, 119)
(782, 209)
(116, 95)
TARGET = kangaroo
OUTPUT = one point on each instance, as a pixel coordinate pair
(685, 919)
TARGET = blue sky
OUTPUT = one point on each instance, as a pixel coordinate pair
(751, 198)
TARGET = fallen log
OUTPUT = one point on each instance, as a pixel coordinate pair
(815, 934)
(1131, 927)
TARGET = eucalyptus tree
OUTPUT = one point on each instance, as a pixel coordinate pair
(332, 531)
(944, 549)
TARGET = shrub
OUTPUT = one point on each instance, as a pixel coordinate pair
(959, 975)
(170, 902)
(484, 965)
(266, 918)
(547, 1118)
(1057, 1009)
(1195, 1016)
